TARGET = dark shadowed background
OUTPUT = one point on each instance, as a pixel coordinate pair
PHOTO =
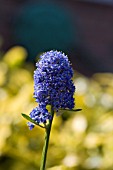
(83, 29)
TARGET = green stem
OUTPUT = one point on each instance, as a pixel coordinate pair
(46, 142)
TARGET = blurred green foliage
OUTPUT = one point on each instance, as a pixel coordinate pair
(79, 141)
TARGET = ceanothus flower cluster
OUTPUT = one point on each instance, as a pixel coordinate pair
(53, 85)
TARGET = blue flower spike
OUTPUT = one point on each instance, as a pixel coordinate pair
(53, 86)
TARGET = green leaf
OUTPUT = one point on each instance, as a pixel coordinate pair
(73, 110)
(28, 118)
(31, 120)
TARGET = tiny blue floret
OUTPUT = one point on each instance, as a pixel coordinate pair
(30, 125)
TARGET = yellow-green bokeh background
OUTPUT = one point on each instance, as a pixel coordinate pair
(79, 140)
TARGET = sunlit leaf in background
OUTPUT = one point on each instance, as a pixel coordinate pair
(15, 56)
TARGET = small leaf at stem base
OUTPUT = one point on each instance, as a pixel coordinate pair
(31, 120)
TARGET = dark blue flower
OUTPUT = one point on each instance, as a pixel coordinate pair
(52, 80)
(53, 85)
